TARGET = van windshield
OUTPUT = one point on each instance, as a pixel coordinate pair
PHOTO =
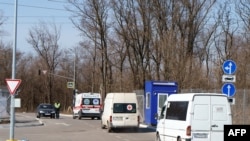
(124, 108)
(91, 101)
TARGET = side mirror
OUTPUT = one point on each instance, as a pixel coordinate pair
(231, 101)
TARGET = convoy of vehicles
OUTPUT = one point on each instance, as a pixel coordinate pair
(184, 116)
(87, 105)
(120, 111)
(194, 117)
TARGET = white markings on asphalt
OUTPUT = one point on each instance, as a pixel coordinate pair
(65, 124)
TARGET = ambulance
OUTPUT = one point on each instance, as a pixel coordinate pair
(121, 110)
(87, 105)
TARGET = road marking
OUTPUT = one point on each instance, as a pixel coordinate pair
(65, 124)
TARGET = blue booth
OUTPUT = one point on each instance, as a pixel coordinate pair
(155, 94)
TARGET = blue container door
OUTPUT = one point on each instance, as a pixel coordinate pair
(156, 110)
(162, 97)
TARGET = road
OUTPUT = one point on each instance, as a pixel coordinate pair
(68, 129)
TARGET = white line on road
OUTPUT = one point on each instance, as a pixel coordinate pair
(65, 124)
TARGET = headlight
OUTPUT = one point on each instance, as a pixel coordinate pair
(41, 111)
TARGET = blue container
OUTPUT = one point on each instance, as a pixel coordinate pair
(155, 94)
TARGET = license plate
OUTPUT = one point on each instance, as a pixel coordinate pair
(117, 118)
(200, 135)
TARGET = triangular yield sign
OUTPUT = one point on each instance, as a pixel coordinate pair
(13, 84)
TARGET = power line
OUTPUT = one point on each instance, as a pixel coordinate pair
(58, 1)
(40, 7)
(36, 16)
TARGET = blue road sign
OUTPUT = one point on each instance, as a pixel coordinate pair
(229, 67)
(228, 89)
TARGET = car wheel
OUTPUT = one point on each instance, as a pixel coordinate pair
(52, 116)
(38, 116)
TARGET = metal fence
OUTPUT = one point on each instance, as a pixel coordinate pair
(4, 105)
(240, 107)
(140, 99)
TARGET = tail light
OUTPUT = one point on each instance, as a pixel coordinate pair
(188, 131)
(110, 119)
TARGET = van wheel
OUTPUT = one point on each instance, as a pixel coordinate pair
(73, 115)
(79, 115)
(102, 125)
(109, 128)
(157, 138)
(178, 139)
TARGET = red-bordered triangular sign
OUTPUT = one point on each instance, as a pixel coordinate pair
(13, 84)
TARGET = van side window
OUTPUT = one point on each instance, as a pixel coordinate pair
(177, 110)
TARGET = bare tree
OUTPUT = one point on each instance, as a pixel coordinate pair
(185, 21)
(45, 42)
(242, 42)
(2, 20)
(91, 18)
(133, 27)
(5, 62)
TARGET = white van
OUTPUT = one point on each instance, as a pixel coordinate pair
(120, 111)
(194, 117)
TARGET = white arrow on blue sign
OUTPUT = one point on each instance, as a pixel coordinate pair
(229, 67)
(228, 89)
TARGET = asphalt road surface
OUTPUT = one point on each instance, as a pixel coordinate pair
(28, 128)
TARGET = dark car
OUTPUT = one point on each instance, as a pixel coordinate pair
(45, 110)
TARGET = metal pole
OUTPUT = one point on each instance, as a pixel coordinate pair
(74, 79)
(243, 105)
(12, 107)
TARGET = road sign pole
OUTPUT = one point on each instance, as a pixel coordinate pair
(12, 107)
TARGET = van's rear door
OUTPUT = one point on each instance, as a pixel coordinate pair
(221, 115)
(125, 115)
(210, 113)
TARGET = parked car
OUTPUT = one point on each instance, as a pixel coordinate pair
(45, 110)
